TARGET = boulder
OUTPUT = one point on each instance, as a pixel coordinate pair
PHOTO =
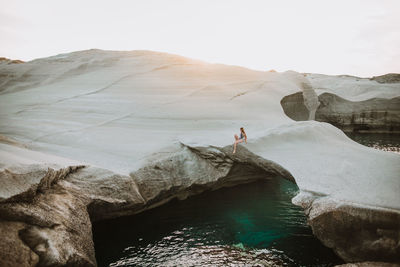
(356, 233)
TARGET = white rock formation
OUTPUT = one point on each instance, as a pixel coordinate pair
(122, 112)
(352, 88)
(350, 103)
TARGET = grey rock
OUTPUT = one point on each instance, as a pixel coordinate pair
(294, 107)
(192, 170)
(354, 232)
(24, 182)
(109, 194)
(56, 228)
(372, 115)
(310, 99)
(14, 252)
(387, 78)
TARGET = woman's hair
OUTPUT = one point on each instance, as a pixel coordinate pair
(242, 129)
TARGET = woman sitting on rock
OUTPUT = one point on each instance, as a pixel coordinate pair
(243, 137)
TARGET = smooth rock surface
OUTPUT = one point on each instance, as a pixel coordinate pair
(353, 88)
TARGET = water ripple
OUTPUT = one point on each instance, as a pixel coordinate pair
(250, 225)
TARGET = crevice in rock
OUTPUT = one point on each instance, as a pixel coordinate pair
(56, 224)
(30, 188)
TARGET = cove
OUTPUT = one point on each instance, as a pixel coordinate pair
(248, 225)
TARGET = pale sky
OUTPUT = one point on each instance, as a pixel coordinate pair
(357, 37)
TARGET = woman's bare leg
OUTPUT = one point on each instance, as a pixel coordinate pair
(235, 144)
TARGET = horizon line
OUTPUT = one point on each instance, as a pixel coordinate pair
(193, 58)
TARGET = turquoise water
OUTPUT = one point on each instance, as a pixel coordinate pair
(248, 225)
